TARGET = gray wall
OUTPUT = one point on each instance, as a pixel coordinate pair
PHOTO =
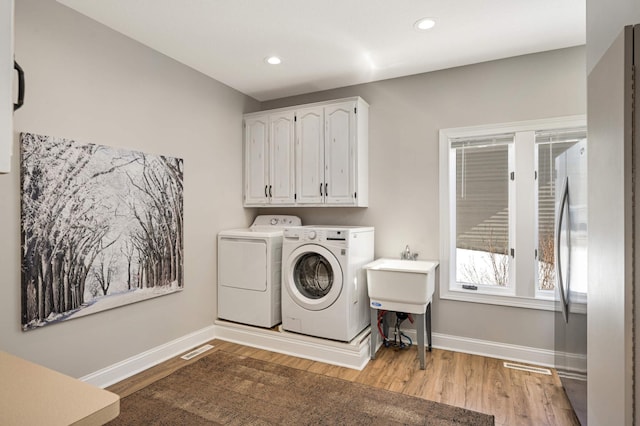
(88, 83)
(404, 119)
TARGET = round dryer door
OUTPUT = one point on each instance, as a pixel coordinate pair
(314, 277)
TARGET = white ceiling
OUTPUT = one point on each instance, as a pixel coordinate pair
(326, 44)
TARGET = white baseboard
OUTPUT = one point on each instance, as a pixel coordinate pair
(544, 357)
(526, 354)
(351, 355)
(130, 366)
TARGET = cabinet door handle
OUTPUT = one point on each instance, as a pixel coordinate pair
(321, 189)
(265, 191)
(326, 189)
(20, 86)
(270, 192)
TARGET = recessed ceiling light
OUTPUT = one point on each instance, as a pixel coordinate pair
(424, 24)
(273, 60)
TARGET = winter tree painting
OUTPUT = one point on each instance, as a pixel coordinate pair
(101, 227)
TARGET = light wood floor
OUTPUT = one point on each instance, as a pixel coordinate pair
(478, 383)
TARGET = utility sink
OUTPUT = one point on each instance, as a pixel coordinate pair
(401, 285)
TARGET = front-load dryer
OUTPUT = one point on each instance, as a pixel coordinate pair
(324, 288)
(250, 273)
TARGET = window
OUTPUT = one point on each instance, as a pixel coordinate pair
(497, 210)
(482, 210)
(550, 145)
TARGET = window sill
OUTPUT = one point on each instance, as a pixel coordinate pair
(493, 299)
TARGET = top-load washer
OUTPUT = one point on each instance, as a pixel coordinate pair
(249, 271)
(324, 288)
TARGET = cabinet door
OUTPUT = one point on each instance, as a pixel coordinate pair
(6, 84)
(256, 160)
(281, 143)
(310, 155)
(340, 132)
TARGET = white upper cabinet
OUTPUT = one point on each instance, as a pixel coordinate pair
(340, 153)
(6, 84)
(256, 151)
(326, 166)
(310, 155)
(269, 159)
(281, 152)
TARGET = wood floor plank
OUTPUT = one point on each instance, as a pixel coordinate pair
(456, 376)
(439, 370)
(475, 369)
(470, 381)
(496, 391)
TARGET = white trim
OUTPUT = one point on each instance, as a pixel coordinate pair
(492, 299)
(542, 304)
(526, 354)
(351, 355)
(447, 205)
(576, 363)
(355, 99)
(566, 122)
(147, 359)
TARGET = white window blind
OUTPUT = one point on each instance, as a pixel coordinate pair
(482, 209)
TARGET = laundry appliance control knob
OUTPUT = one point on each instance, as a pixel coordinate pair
(312, 235)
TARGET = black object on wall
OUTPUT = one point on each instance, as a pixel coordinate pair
(20, 86)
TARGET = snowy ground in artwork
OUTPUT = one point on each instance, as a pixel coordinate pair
(119, 299)
(104, 303)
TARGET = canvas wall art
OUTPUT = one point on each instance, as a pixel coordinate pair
(101, 227)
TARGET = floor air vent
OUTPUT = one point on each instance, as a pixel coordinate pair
(194, 353)
(528, 368)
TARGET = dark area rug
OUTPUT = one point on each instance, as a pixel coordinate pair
(228, 389)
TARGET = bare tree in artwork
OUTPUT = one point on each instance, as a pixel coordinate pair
(105, 269)
(127, 251)
(159, 222)
(96, 220)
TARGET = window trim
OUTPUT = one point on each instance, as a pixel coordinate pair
(447, 204)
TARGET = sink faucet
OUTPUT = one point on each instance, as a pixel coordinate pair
(407, 255)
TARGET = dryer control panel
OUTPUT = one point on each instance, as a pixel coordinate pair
(277, 221)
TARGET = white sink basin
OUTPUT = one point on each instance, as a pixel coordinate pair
(401, 285)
